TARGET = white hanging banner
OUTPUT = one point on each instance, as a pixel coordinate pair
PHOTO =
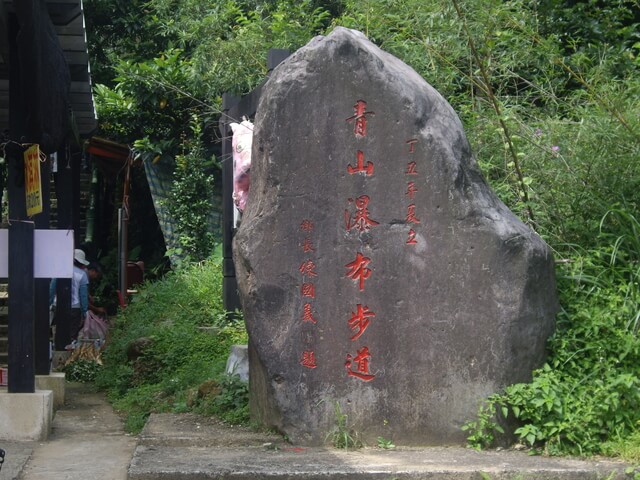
(52, 256)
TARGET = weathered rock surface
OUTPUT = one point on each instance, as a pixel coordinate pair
(377, 270)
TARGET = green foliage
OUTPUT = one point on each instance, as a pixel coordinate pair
(385, 444)
(343, 436)
(231, 404)
(188, 340)
(585, 25)
(190, 201)
(228, 41)
(84, 371)
(151, 102)
(586, 398)
(484, 429)
(627, 448)
(169, 68)
(120, 29)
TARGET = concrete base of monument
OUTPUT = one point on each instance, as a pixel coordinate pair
(192, 447)
(25, 416)
(56, 383)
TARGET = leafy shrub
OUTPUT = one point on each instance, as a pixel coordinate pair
(190, 201)
(586, 398)
(189, 338)
(231, 404)
(84, 371)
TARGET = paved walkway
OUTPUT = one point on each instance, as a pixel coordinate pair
(88, 443)
(186, 447)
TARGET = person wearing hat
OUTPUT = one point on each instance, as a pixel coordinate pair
(94, 272)
(79, 293)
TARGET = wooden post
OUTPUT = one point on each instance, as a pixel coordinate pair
(123, 237)
(76, 164)
(63, 184)
(21, 308)
(275, 57)
(21, 282)
(230, 298)
(63, 313)
(41, 295)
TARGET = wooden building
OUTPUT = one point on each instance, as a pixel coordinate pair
(45, 99)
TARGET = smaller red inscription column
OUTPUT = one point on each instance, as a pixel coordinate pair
(412, 190)
(307, 269)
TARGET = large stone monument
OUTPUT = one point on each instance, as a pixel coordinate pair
(377, 270)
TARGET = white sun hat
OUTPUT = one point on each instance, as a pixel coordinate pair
(78, 256)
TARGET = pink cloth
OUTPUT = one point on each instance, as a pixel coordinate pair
(241, 142)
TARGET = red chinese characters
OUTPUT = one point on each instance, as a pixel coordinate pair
(360, 117)
(411, 240)
(307, 313)
(359, 320)
(307, 269)
(412, 144)
(357, 270)
(360, 167)
(307, 246)
(308, 289)
(361, 221)
(411, 214)
(306, 226)
(361, 364)
(412, 190)
(308, 359)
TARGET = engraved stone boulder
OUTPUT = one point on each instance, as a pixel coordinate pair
(379, 274)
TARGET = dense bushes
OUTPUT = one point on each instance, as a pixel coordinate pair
(171, 340)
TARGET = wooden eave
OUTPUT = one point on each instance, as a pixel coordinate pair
(67, 17)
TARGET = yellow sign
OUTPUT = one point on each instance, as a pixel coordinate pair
(32, 180)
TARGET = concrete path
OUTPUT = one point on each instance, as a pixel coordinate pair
(87, 441)
(17, 456)
(190, 447)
